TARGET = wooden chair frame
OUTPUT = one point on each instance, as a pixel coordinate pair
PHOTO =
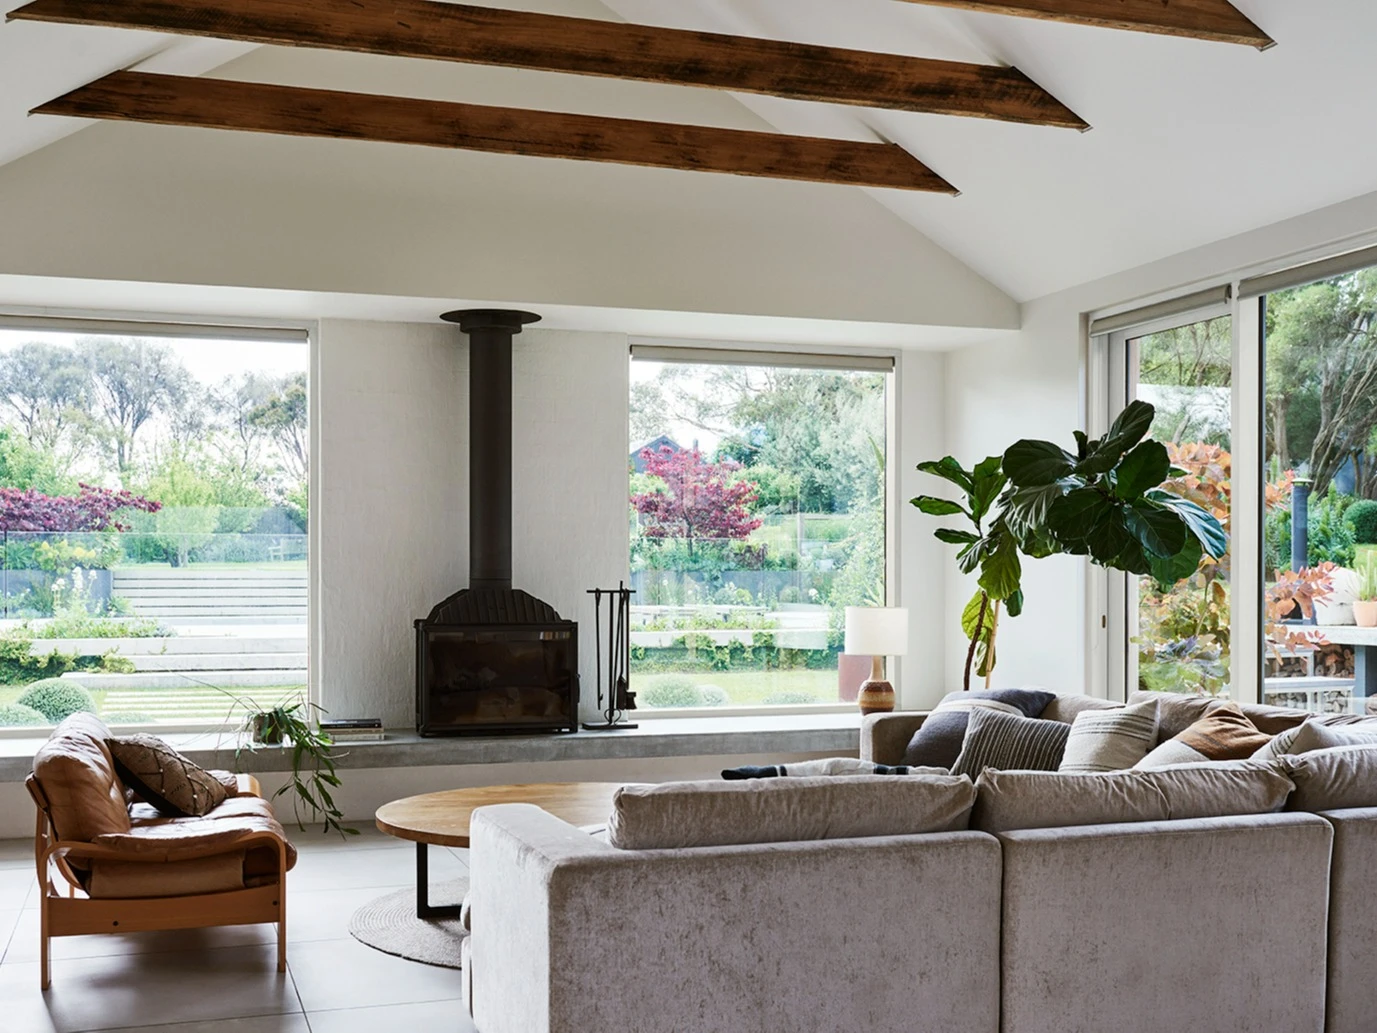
(77, 914)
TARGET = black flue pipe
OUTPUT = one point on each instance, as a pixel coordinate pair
(490, 333)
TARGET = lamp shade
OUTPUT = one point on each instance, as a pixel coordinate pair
(876, 631)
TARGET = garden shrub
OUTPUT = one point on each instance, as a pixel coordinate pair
(713, 696)
(1331, 539)
(18, 665)
(672, 690)
(16, 715)
(1362, 518)
(780, 699)
(56, 699)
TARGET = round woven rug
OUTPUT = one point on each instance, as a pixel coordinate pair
(389, 924)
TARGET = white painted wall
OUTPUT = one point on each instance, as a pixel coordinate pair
(921, 563)
(1030, 385)
(392, 410)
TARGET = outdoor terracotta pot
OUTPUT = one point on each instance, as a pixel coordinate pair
(1365, 611)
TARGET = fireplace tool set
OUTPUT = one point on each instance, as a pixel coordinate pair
(618, 699)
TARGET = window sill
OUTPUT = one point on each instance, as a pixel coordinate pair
(766, 736)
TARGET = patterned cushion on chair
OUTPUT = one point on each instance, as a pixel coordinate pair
(159, 774)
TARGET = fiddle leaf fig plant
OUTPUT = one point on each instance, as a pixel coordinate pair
(1105, 501)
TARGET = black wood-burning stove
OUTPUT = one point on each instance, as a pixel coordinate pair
(492, 658)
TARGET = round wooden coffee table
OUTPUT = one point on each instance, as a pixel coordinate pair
(442, 819)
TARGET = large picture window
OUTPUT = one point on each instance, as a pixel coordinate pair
(153, 518)
(758, 502)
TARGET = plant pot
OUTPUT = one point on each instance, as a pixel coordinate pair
(265, 730)
(1365, 613)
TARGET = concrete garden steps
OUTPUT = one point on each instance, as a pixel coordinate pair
(203, 704)
(198, 645)
(187, 679)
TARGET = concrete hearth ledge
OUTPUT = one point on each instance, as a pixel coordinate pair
(767, 736)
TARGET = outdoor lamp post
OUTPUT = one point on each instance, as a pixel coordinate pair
(876, 632)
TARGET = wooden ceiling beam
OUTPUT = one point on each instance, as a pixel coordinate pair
(585, 46)
(1216, 20)
(264, 108)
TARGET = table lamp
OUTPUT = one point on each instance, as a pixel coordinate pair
(876, 632)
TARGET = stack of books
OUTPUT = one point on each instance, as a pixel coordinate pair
(353, 729)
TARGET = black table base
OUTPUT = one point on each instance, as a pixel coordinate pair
(424, 908)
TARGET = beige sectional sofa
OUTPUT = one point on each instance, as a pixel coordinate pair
(1013, 916)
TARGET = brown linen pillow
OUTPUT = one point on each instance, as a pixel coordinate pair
(673, 815)
(1009, 800)
(1222, 734)
(161, 776)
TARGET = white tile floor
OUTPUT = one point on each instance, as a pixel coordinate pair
(225, 980)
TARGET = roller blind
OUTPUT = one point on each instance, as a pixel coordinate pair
(1311, 272)
(742, 357)
(138, 328)
(1162, 310)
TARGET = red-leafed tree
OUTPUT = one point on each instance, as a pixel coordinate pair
(701, 501)
(93, 509)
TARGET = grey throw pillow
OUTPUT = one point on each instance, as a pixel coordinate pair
(177, 787)
(938, 742)
(1005, 742)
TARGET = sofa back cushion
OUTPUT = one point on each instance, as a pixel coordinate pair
(1066, 707)
(1315, 735)
(938, 742)
(785, 810)
(1334, 779)
(1273, 720)
(77, 775)
(1009, 800)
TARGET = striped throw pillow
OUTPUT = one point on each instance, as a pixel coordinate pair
(1008, 743)
(938, 742)
(1110, 740)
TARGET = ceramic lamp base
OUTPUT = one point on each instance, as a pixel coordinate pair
(876, 697)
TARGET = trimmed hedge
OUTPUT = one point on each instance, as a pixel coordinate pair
(1362, 517)
(56, 699)
(16, 715)
(671, 691)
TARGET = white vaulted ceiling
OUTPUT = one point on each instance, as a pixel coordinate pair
(1192, 141)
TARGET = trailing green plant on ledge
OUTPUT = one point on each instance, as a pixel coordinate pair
(292, 725)
(1105, 501)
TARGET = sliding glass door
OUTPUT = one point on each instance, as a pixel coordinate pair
(1268, 405)
(1179, 640)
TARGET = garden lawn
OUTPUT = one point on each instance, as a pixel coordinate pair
(194, 704)
(753, 688)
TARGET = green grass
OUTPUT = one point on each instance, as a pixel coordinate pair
(211, 704)
(752, 688)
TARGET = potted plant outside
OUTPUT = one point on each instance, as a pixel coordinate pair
(1365, 606)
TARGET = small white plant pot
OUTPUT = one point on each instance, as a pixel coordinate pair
(1337, 607)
